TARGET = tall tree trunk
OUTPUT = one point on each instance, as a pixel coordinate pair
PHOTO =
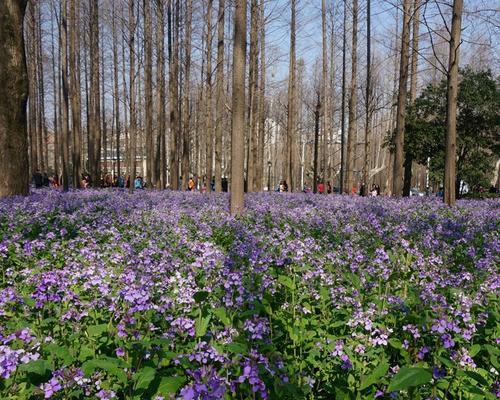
(238, 107)
(290, 163)
(32, 133)
(342, 138)
(65, 100)
(219, 128)
(173, 55)
(104, 128)
(55, 91)
(186, 109)
(253, 88)
(352, 132)
(160, 76)
(148, 91)
(75, 94)
(14, 179)
(326, 106)
(368, 98)
(262, 102)
(397, 179)
(208, 104)
(450, 177)
(94, 146)
(413, 91)
(42, 129)
(116, 92)
(133, 116)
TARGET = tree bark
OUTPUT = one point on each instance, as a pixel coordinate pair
(116, 92)
(397, 180)
(368, 99)
(75, 94)
(174, 92)
(291, 142)
(238, 108)
(342, 138)
(148, 91)
(94, 146)
(220, 98)
(160, 71)
(326, 106)
(14, 164)
(186, 108)
(262, 103)
(65, 100)
(133, 116)
(351, 133)
(451, 106)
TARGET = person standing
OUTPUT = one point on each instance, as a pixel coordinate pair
(38, 179)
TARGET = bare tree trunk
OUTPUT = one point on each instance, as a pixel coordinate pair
(219, 97)
(65, 100)
(451, 106)
(133, 116)
(368, 99)
(413, 91)
(397, 180)
(326, 106)
(75, 94)
(262, 102)
(42, 128)
(31, 61)
(238, 101)
(148, 91)
(55, 91)
(173, 55)
(94, 146)
(351, 133)
(342, 139)
(208, 111)
(160, 76)
(116, 92)
(253, 88)
(14, 179)
(291, 159)
(186, 109)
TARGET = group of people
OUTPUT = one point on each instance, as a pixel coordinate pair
(44, 180)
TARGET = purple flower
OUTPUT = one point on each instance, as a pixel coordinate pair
(50, 388)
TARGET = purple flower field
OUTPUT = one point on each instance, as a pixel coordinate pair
(162, 295)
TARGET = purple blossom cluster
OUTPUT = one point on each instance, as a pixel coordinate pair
(301, 295)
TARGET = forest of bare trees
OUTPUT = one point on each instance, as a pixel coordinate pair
(178, 89)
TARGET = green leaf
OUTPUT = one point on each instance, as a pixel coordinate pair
(407, 377)
(112, 366)
(237, 348)
(59, 353)
(477, 377)
(170, 384)
(202, 326)
(375, 376)
(286, 281)
(144, 377)
(97, 330)
(85, 353)
(222, 315)
(200, 296)
(474, 350)
(396, 343)
(37, 367)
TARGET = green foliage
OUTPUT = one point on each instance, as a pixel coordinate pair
(478, 123)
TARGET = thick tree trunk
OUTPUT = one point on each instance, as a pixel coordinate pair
(291, 142)
(259, 174)
(148, 91)
(219, 102)
(208, 112)
(54, 91)
(65, 99)
(133, 116)
(397, 178)
(14, 179)
(326, 105)
(95, 134)
(342, 188)
(351, 133)
(368, 99)
(116, 92)
(451, 106)
(413, 90)
(75, 94)
(186, 109)
(174, 92)
(160, 76)
(238, 108)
